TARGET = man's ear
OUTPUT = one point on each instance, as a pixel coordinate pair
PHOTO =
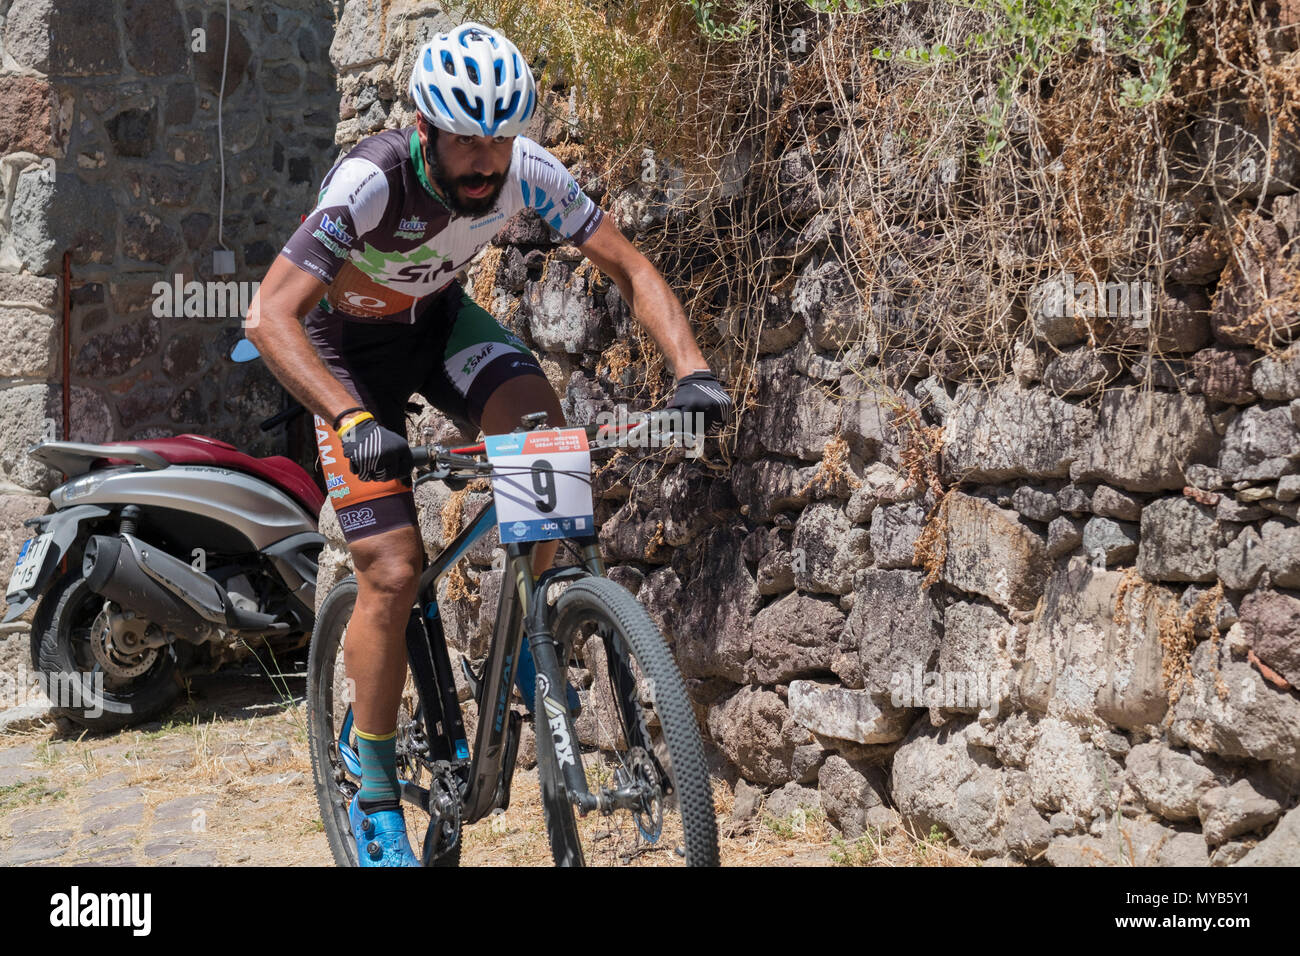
(428, 132)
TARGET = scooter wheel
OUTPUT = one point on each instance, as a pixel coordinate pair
(75, 680)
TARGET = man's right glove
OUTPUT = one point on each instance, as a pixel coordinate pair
(700, 392)
(376, 453)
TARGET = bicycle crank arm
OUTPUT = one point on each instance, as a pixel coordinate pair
(415, 795)
(444, 831)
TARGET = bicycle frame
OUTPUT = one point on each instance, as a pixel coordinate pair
(484, 779)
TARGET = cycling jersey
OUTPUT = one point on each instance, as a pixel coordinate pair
(456, 355)
(385, 241)
(394, 320)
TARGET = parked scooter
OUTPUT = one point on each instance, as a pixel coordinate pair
(164, 558)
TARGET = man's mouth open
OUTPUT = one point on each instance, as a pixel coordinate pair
(479, 192)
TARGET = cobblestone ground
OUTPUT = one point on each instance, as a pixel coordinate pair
(225, 780)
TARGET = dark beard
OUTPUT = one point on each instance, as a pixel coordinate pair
(465, 207)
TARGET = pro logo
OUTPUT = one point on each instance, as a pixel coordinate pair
(359, 518)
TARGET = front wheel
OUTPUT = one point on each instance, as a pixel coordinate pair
(648, 768)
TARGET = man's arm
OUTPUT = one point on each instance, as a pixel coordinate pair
(647, 294)
(274, 326)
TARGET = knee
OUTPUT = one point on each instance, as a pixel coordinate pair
(391, 571)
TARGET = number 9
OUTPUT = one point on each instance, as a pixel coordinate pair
(544, 485)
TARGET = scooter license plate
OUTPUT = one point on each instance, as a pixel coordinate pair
(30, 561)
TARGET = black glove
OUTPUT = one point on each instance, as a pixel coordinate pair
(700, 392)
(376, 453)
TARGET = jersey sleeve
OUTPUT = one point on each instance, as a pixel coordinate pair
(551, 191)
(351, 204)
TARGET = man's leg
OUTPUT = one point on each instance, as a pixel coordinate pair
(387, 569)
(488, 377)
(378, 520)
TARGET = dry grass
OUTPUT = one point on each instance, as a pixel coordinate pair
(485, 276)
(832, 470)
(943, 243)
(259, 805)
(453, 511)
(458, 588)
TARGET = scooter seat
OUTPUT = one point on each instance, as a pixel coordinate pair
(188, 449)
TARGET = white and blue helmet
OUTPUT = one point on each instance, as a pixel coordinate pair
(472, 81)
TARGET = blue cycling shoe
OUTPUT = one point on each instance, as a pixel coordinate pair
(526, 682)
(381, 837)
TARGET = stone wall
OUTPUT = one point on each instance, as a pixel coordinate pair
(1033, 613)
(108, 150)
(114, 157)
(1054, 616)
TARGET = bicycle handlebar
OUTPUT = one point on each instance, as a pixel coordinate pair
(462, 462)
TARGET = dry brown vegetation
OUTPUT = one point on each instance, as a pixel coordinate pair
(1093, 170)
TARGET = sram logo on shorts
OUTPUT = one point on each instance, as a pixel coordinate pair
(323, 442)
(356, 518)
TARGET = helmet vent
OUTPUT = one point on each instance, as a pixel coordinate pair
(508, 111)
(476, 111)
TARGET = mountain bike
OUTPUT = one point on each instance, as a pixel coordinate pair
(642, 795)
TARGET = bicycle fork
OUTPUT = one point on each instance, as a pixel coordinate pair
(558, 720)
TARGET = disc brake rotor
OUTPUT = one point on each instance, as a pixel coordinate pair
(117, 643)
(643, 775)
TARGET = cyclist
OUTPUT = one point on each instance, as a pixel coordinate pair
(361, 309)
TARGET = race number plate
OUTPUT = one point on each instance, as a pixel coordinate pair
(30, 560)
(542, 484)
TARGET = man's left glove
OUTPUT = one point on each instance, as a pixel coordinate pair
(375, 453)
(700, 392)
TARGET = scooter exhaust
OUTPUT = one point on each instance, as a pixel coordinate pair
(165, 590)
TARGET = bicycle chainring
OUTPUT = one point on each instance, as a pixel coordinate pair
(444, 831)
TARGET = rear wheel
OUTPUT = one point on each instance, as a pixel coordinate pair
(332, 741)
(97, 671)
(647, 757)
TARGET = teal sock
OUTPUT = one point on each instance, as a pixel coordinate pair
(379, 787)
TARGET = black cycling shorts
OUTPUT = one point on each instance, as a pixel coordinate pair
(455, 355)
